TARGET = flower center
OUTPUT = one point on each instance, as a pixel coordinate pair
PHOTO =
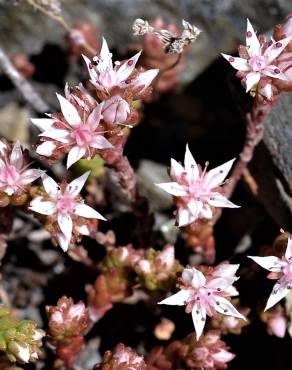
(82, 135)
(199, 189)
(9, 175)
(257, 63)
(66, 204)
(287, 271)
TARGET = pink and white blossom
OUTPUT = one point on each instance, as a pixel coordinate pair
(105, 76)
(206, 295)
(280, 269)
(79, 134)
(115, 110)
(196, 191)
(14, 173)
(63, 204)
(259, 59)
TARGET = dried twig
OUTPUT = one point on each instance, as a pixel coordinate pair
(28, 92)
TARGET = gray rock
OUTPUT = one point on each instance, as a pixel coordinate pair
(272, 164)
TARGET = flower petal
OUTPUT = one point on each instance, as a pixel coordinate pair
(198, 279)
(288, 253)
(270, 263)
(29, 176)
(226, 308)
(84, 210)
(46, 148)
(199, 319)
(75, 186)
(177, 299)
(217, 175)
(252, 43)
(195, 207)
(92, 72)
(252, 79)
(238, 63)
(190, 166)
(274, 71)
(75, 154)
(273, 51)
(279, 291)
(94, 117)
(176, 169)
(219, 200)
(43, 123)
(56, 134)
(66, 225)
(173, 188)
(50, 185)
(47, 208)
(100, 142)
(16, 156)
(69, 111)
(63, 241)
(105, 56)
(126, 68)
(145, 78)
(226, 270)
(185, 217)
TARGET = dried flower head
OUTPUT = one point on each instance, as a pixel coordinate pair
(174, 44)
(141, 27)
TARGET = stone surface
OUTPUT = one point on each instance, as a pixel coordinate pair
(272, 164)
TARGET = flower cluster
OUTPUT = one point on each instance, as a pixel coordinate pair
(19, 339)
(261, 62)
(86, 126)
(196, 192)
(65, 209)
(121, 358)
(67, 325)
(15, 176)
(206, 293)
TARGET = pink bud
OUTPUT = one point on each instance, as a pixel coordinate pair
(115, 110)
(277, 325)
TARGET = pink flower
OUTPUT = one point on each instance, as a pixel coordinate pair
(14, 175)
(259, 58)
(105, 77)
(206, 295)
(196, 191)
(281, 269)
(62, 205)
(80, 135)
(115, 110)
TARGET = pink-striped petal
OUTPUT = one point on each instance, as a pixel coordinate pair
(275, 72)
(173, 188)
(177, 299)
(126, 68)
(66, 225)
(199, 319)
(252, 79)
(50, 185)
(280, 290)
